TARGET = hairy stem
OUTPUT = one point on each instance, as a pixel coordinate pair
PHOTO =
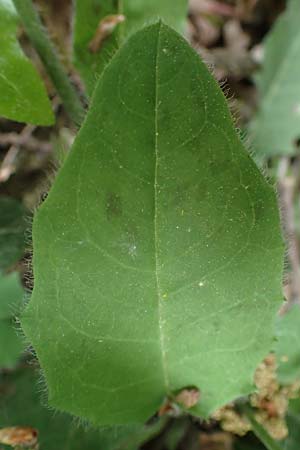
(47, 53)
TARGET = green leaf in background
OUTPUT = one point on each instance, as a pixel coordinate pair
(176, 433)
(11, 344)
(11, 295)
(88, 15)
(20, 405)
(293, 422)
(12, 231)
(288, 346)
(276, 126)
(157, 254)
(22, 94)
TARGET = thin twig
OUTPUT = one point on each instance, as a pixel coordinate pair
(31, 143)
(8, 165)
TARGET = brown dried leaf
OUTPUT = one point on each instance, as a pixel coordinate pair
(188, 397)
(19, 436)
(105, 29)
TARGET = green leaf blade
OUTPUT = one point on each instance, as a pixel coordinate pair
(293, 422)
(12, 232)
(23, 95)
(287, 347)
(11, 295)
(142, 286)
(275, 128)
(23, 387)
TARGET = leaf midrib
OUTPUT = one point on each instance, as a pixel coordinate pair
(158, 287)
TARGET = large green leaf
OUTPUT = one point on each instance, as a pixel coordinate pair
(276, 126)
(22, 94)
(157, 254)
(288, 346)
(11, 294)
(89, 13)
(12, 231)
(20, 405)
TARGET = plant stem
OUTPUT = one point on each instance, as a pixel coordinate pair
(259, 431)
(47, 53)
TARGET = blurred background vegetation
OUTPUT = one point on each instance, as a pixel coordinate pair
(252, 49)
